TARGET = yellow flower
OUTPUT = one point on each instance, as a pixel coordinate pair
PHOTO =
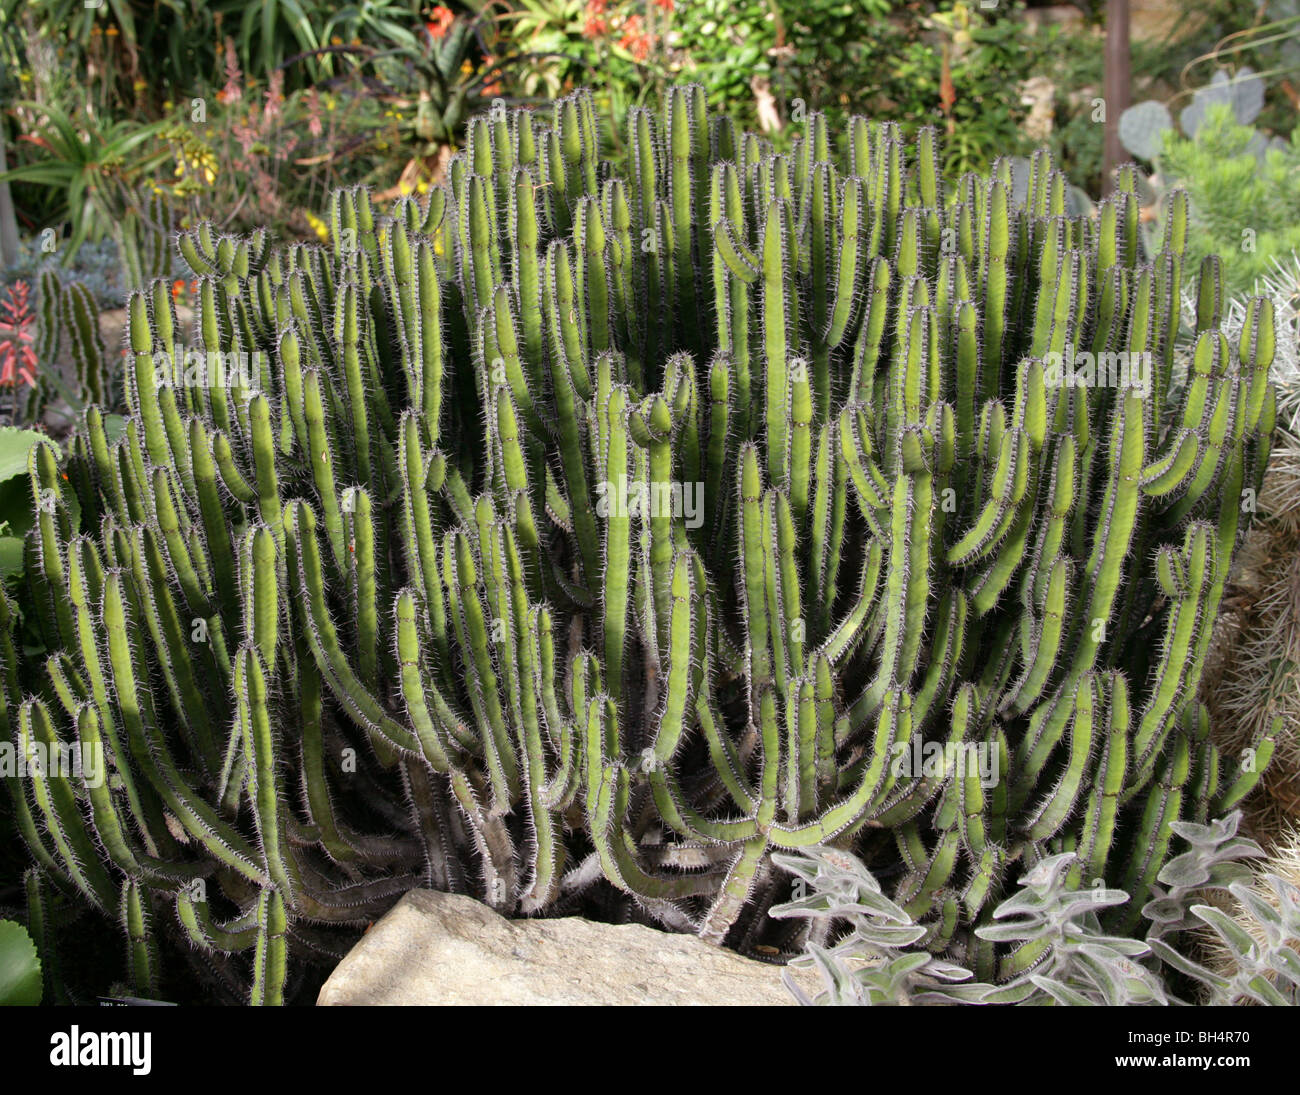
(318, 226)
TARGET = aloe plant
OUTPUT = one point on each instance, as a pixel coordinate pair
(392, 591)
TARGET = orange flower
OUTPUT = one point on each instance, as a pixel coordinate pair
(491, 86)
(594, 26)
(947, 92)
(440, 21)
(633, 40)
(178, 287)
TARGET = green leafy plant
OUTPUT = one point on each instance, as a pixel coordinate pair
(96, 166)
(16, 509)
(394, 589)
(20, 967)
(1244, 195)
(118, 53)
(272, 31)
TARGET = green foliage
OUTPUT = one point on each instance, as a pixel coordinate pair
(95, 166)
(553, 31)
(136, 48)
(271, 31)
(16, 507)
(1245, 199)
(726, 43)
(20, 967)
(393, 592)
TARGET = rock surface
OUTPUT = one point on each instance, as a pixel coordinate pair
(437, 948)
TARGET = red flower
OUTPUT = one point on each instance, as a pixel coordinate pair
(17, 359)
(666, 5)
(633, 40)
(440, 21)
(594, 26)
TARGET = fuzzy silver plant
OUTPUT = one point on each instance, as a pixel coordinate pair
(874, 963)
(1250, 947)
(1213, 861)
(1237, 967)
(877, 961)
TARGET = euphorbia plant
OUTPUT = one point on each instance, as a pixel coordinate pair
(403, 589)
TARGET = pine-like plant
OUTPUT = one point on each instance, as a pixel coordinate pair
(583, 536)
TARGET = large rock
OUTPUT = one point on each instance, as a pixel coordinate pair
(437, 948)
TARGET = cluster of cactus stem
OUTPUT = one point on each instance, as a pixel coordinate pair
(144, 239)
(378, 612)
(1253, 675)
(72, 310)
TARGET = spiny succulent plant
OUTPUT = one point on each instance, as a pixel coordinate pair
(1251, 677)
(408, 587)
